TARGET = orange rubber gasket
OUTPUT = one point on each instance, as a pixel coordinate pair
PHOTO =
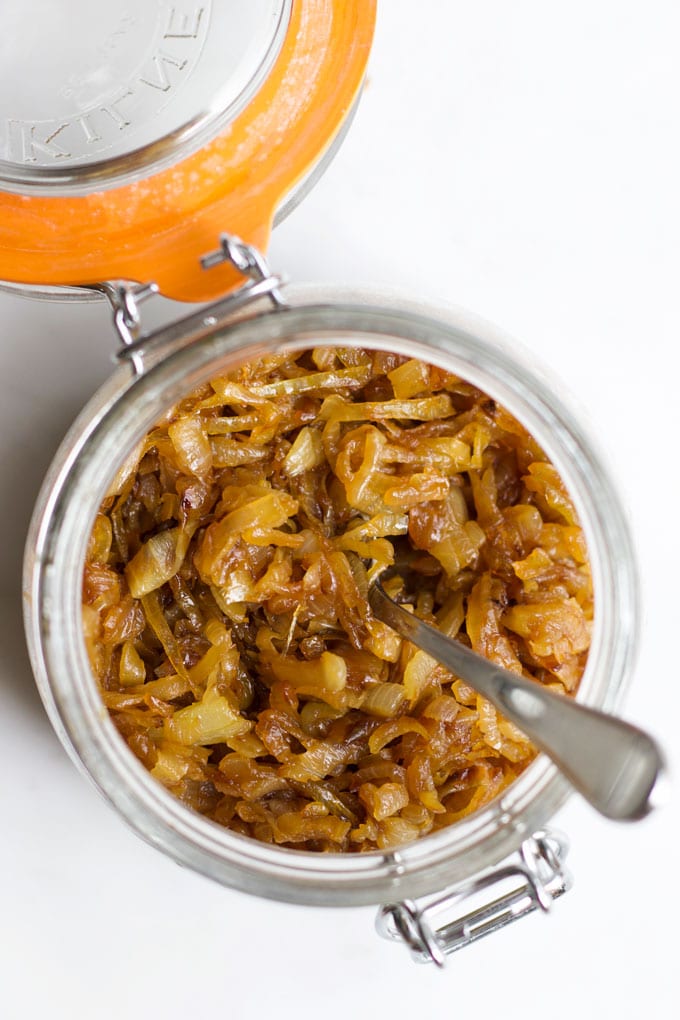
(157, 228)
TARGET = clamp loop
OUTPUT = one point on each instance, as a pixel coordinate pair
(536, 878)
(247, 259)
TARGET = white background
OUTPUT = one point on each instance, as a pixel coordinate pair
(520, 159)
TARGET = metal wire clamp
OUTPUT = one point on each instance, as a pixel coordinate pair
(532, 880)
(125, 297)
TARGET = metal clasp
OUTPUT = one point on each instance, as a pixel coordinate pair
(248, 260)
(125, 298)
(531, 880)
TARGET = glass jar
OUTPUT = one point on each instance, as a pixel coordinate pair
(159, 369)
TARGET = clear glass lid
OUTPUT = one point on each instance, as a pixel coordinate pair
(175, 118)
(95, 95)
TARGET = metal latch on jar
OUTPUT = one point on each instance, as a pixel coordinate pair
(126, 296)
(532, 879)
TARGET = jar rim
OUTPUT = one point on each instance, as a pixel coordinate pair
(123, 411)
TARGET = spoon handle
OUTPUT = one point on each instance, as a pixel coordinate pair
(614, 765)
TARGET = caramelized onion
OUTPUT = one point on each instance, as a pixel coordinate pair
(225, 596)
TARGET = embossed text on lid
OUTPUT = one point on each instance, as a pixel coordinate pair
(94, 95)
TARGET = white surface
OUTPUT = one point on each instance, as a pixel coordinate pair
(520, 159)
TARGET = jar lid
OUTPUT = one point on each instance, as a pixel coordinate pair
(139, 132)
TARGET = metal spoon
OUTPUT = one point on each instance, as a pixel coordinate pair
(614, 765)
